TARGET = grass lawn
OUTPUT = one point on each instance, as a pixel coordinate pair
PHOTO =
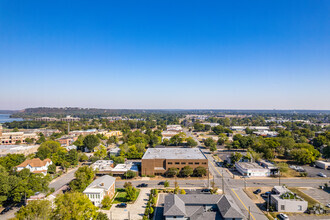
(310, 200)
(121, 196)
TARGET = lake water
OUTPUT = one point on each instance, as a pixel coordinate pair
(6, 118)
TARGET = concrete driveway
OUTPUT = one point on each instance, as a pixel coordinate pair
(133, 211)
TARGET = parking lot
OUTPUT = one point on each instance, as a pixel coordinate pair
(317, 194)
(133, 211)
(313, 171)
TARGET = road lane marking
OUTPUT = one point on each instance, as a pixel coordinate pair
(234, 192)
(243, 204)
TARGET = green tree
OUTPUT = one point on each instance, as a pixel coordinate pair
(166, 142)
(176, 140)
(91, 141)
(112, 140)
(172, 171)
(51, 169)
(47, 148)
(186, 171)
(235, 157)
(11, 160)
(35, 209)
(166, 183)
(119, 159)
(326, 152)
(200, 171)
(191, 142)
(102, 216)
(106, 203)
(100, 151)
(209, 142)
(302, 156)
(83, 157)
(74, 205)
(182, 191)
(83, 177)
(130, 174)
(131, 193)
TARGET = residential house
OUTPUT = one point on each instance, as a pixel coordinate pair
(201, 207)
(35, 165)
(99, 188)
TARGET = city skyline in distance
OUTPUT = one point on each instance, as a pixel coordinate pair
(162, 55)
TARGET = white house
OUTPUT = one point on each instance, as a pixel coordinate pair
(99, 188)
(35, 165)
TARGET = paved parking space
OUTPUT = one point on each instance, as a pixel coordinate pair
(160, 207)
(133, 211)
(317, 194)
(313, 171)
(308, 217)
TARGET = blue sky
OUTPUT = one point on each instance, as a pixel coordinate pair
(165, 54)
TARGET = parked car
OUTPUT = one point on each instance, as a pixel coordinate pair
(328, 205)
(121, 205)
(142, 185)
(5, 210)
(322, 175)
(257, 191)
(219, 164)
(266, 194)
(206, 190)
(283, 216)
(161, 183)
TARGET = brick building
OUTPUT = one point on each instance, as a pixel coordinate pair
(156, 161)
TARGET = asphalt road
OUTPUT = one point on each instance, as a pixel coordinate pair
(63, 180)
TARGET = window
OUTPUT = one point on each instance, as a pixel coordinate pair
(177, 162)
(197, 163)
(282, 207)
(204, 163)
(169, 163)
(191, 163)
(299, 208)
(183, 162)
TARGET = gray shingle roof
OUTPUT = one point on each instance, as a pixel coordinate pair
(228, 208)
(104, 182)
(191, 206)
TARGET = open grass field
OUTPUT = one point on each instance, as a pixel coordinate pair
(121, 196)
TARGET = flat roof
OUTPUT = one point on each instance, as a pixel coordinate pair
(249, 165)
(173, 153)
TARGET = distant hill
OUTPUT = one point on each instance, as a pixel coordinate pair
(136, 113)
(8, 111)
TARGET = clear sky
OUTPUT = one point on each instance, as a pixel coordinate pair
(165, 54)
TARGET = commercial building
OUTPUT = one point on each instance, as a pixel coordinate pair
(83, 133)
(201, 207)
(67, 141)
(121, 169)
(274, 170)
(251, 169)
(168, 134)
(322, 164)
(35, 165)
(103, 166)
(156, 161)
(9, 138)
(67, 119)
(257, 128)
(176, 128)
(18, 149)
(115, 151)
(286, 201)
(99, 188)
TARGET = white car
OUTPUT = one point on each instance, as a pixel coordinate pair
(322, 175)
(328, 205)
(283, 216)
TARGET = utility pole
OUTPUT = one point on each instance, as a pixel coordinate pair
(249, 213)
(245, 183)
(268, 203)
(279, 178)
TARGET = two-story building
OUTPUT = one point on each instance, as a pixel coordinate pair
(99, 188)
(156, 161)
(35, 165)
